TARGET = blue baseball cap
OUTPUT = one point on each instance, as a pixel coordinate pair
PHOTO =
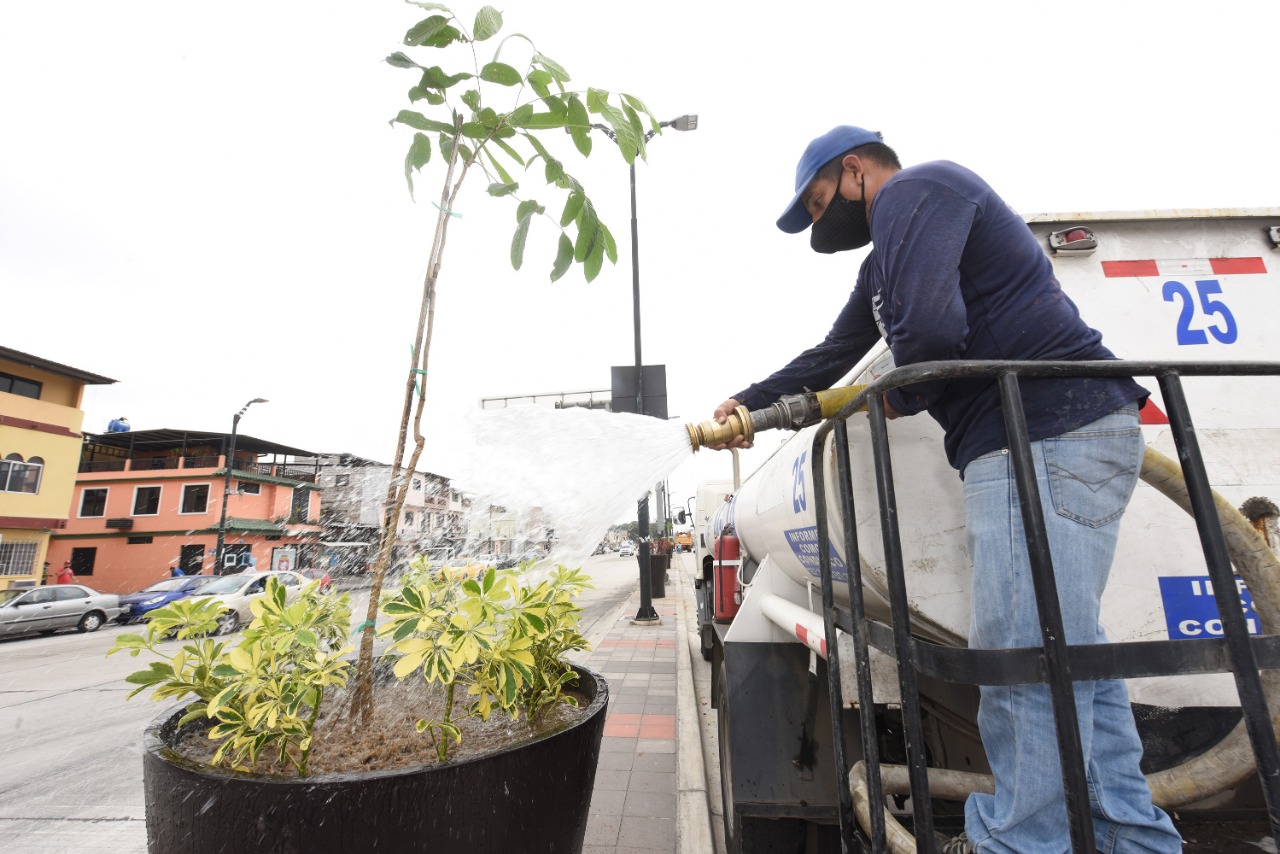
(821, 151)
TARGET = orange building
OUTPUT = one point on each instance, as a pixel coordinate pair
(40, 420)
(150, 500)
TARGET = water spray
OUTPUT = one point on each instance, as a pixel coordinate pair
(791, 412)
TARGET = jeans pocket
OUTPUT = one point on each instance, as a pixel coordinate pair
(1092, 473)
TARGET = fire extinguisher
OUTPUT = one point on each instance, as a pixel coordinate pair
(728, 587)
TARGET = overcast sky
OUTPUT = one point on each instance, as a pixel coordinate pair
(205, 201)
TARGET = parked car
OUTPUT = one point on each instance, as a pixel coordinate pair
(136, 606)
(627, 550)
(52, 607)
(459, 568)
(321, 575)
(233, 594)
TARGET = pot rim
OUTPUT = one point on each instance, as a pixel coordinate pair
(153, 744)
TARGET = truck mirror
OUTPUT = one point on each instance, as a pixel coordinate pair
(682, 517)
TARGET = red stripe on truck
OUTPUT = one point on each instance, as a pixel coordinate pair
(1228, 266)
(1129, 269)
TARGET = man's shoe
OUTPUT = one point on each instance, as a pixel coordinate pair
(959, 845)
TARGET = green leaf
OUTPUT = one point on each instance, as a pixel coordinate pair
(634, 103)
(610, 248)
(517, 116)
(518, 240)
(502, 173)
(400, 60)
(557, 72)
(425, 30)
(511, 152)
(500, 73)
(307, 638)
(564, 257)
(540, 81)
(432, 97)
(594, 261)
(418, 156)
(588, 225)
(435, 78)
(488, 22)
(542, 121)
(420, 122)
(474, 130)
(471, 98)
(579, 125)
(499, 190)
(554, 171)
(572, 206)
(438, 6)
(527, 207)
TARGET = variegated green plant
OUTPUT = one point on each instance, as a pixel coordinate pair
(265, 693)
(501, 642)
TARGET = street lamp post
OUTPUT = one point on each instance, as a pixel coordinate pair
(646, 613)
(226, 487)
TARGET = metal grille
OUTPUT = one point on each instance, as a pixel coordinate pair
(18, 558)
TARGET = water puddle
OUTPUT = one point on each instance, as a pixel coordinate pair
(573, 471)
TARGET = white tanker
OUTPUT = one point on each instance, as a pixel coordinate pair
(1176, 286)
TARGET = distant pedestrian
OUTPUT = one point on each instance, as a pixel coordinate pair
(66, 576)
(175, 571)
(44, 575)
(119, 425)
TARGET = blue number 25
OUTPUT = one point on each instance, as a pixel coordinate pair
(1226, 334)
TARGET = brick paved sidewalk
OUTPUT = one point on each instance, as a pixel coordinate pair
(633, 806)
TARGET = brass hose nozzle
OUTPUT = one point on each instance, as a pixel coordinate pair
(713, 433)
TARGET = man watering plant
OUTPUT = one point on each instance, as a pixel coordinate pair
(954, 273)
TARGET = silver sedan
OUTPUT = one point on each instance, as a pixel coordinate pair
(55, 606)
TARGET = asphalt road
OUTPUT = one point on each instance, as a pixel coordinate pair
(71, 776)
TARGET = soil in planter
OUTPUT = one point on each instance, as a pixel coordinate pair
(390, 741)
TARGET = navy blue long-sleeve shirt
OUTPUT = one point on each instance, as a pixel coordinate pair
(955, 273)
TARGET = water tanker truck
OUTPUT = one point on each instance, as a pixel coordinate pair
(846, 547)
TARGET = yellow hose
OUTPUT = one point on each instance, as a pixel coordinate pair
(1224, 766)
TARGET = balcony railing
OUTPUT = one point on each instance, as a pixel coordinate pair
(289, 472)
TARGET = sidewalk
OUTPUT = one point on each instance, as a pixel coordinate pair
(650, 791)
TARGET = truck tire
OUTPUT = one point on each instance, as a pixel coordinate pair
(732, 830)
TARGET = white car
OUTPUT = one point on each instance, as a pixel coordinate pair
(627, 550)
(233, 593)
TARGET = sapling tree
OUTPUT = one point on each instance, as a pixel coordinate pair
(493, 118)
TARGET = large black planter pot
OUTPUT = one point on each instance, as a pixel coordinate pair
(658, 566)
(530, 798)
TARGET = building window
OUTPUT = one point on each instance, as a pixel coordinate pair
(20, 386)
(17, 558)
(408, 519)
(93, 502)
(82, 560)
(340, 479)
(301, 509)
(417, 484)
(146, 501)
(19, 476)
(249, 488)
(195, 498)
(138, 541)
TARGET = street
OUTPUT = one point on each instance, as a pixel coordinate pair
(71, 779)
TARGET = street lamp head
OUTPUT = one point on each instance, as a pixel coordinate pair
(683, 123)
(257, 400)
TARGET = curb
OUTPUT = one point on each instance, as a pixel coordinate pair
(693, 809)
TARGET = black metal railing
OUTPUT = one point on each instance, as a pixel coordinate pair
(1054, 663)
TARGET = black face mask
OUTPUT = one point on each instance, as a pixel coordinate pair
(843, 225)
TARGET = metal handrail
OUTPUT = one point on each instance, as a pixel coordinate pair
(1055, 657)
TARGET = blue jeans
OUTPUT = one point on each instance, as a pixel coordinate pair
(1086, 478)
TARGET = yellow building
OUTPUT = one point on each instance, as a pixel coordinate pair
(40, 442)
